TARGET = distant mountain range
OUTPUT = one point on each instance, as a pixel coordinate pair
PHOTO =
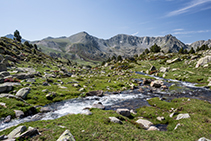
(87, 47)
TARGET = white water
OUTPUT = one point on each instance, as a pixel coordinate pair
(73, 106)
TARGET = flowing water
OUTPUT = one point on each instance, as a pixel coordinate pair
(131, 99)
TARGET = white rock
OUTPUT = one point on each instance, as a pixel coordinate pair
(182, 116)
(115, 120)
(203, 139)
(145, 123)
(153, 128)
(124, 112)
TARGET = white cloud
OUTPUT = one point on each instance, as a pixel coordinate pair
(191, 32)
(179, 29)
(189, 7)
(134, 34)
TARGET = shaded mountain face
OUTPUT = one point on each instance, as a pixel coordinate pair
(10, 36)
(83, 45)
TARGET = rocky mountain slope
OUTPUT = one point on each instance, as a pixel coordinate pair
(200, 43)
(83, 45)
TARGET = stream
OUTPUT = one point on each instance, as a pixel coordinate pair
(130, 99)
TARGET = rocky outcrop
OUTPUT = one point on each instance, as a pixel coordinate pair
(7, 86)
(145, 123)
(203, 61)
(124, 112)
(95, 93)
(182, 116)
(23, 92)
(66, 136)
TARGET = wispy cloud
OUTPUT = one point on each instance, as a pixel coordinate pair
(134, 34)
(191, 32)
(178, 29)
(189, 7)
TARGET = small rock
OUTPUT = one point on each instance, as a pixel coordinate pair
(45, 90)
(152, 68)
(98, 105)
(157, 83)
(115, 120)
(45, 109)
(30, 132)
(23, 92)
(3, 104)
(153, 128)
(7, 119)
(182, 116)
(124, 112)
(160, 118)
(87, 112)
(66, 136)
(45, 84)
(146, 124)
(95, 93)
(81, 90)
(3, 137)
(177, 126)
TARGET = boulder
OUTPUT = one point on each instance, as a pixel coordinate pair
(153, 68)
(45, 109)
(160, 118)
(29, 133)
(163, 69)
(3, 67)
(203, 139)
(17, 131)
(7, 119)
(146, 81)
(95, 93)
(23, 92)
(173, 60)
(4, 74)
(7, 86)
(23, 75)
(156, 83)
(124, 112)
(115, 120)
(203, 61)
(3, 137)
(86, 112)
(145, 123)
(19, 113)
(182, 116)
(66, 136)
(98, 105)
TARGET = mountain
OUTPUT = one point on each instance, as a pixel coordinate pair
(83, 45)
(12, 37)
(200, 43)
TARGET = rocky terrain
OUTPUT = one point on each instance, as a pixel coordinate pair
(31, 80)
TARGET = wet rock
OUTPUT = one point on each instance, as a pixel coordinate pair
(23, 92)
(145, 123)
(98, 105)
(182, 116)
(115, 120)
(203, 61)
(153, 128)
(45, 109)
(29, 133)
(19, 113)
(203, 139)
(66, 136)
(156, 83)
(124, 112)
(7, 119)
(17, 131)
(95, 93)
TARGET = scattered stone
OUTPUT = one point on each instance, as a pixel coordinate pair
(45, 84)
(153, 68)
(19, 113)
(23, 92)
(182, 116)
(3, 137)
(50, 96)
(115, 120)
(81, 90)
(3, 104)
(145, 123)
(153, 128)
(160, 118)
(31, 80)
(147, 81)
(203, 61)
(7, 86)
(3, 67)
(87, 112)
(98, 105)
(45, 90)
(17, 131)
(173, 61)
(66, 136)
(95, 93)
(156, 83)
(7, 119)
(4, 73)
(76, 85)
(124, 112)
(203, 139)
(163, 69)
(30, 132)
(178, 124)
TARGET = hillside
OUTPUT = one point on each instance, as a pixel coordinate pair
(90, 48)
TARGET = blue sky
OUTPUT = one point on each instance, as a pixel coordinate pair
(188, 20)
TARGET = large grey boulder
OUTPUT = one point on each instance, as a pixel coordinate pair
(66, 136)
(6, 87)
(145, 123)
(203, 139)
(30, 132)
(23, 92)
(203, 61)
(124, 112)
(17, 131)
(3, 67)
